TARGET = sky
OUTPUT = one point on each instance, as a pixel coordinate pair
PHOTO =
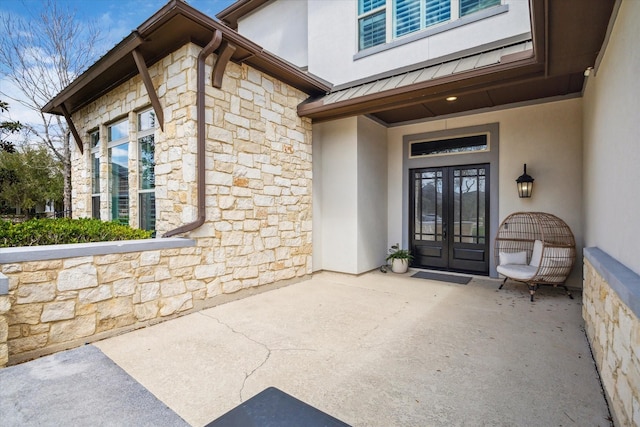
(115, 19)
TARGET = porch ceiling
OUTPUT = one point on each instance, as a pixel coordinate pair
(567, 37)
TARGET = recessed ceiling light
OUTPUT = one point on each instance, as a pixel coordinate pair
(451, 98)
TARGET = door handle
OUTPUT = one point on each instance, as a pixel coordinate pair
(444, 230)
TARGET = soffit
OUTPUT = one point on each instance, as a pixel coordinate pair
(170, 28)
(566, 38)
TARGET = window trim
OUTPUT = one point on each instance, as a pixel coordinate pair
(110, 145)
(139, 135)
(426, 32)
(371, 13)
(97, 152)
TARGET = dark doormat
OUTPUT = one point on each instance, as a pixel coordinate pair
(461, 280)
(274, 407)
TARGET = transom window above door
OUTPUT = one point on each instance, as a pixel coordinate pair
(381, 21)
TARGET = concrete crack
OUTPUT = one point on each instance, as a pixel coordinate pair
(261, 344)
(385, 320)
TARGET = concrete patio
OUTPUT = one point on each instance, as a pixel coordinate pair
(373, 350)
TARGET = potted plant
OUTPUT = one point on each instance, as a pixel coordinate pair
(400, 258)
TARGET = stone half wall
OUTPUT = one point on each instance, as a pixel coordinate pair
(611, 298)
(5, 306)
(62, 297)
(258, 167)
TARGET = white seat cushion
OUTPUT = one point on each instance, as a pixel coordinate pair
(536, 255)
(517, 272)
(513, 258)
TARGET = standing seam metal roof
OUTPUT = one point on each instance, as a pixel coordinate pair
(431, 72)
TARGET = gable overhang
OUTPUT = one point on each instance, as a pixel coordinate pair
(171, 27)
(237, 10)
(566, 37)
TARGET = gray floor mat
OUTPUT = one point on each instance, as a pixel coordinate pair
(78, 387)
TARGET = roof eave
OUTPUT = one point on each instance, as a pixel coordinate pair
(237, 10)
(125, 47)
(417, 93)
(254, 56)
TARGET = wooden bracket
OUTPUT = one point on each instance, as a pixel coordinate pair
(226, 52)
(72, 127)
(148, 84)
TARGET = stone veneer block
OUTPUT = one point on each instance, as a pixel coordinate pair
(80, 277)
(4, 355)
(69, 330)
(5, 304)
(54, 311)
(611, 294)
(36, 292)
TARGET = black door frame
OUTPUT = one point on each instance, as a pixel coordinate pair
(448, 254)
(490, 156)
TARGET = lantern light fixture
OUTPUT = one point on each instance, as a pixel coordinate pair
(525, 184)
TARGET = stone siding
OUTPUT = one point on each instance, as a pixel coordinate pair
(5, 306)
(258, 167)
(614, 333)
(61, 303)
(258, 208)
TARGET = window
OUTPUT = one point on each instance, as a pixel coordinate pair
(470, 6)
(118, 156)
(463, 144)
(94, 140)
(408, 16)
(146, 170)
(372, 23)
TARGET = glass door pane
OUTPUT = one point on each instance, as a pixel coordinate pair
(428, 206)
(469, 205)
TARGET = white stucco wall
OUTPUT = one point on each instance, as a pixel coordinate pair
(333, 40)
(281, 28)
(372, 194)
(335, 192)
(545, 136)
(323, 35)
(350, 195)
(611, 144)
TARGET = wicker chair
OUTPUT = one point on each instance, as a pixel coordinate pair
(535, 248)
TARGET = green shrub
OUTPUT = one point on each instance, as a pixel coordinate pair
(65, 230)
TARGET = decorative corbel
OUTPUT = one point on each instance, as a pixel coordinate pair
(225, 53)
(148, 84)
(72, 127)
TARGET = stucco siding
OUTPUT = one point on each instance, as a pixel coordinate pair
(281, 28)
(372, 194)
(333, 40)
(611, 147)
(547, 137)
(337, 180)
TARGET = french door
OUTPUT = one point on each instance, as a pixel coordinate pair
(449, 223)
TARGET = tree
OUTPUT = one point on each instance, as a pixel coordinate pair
(40, 57)
(29, 176)
(7, 127)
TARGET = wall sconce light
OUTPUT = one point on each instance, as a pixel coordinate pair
(525, 184)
